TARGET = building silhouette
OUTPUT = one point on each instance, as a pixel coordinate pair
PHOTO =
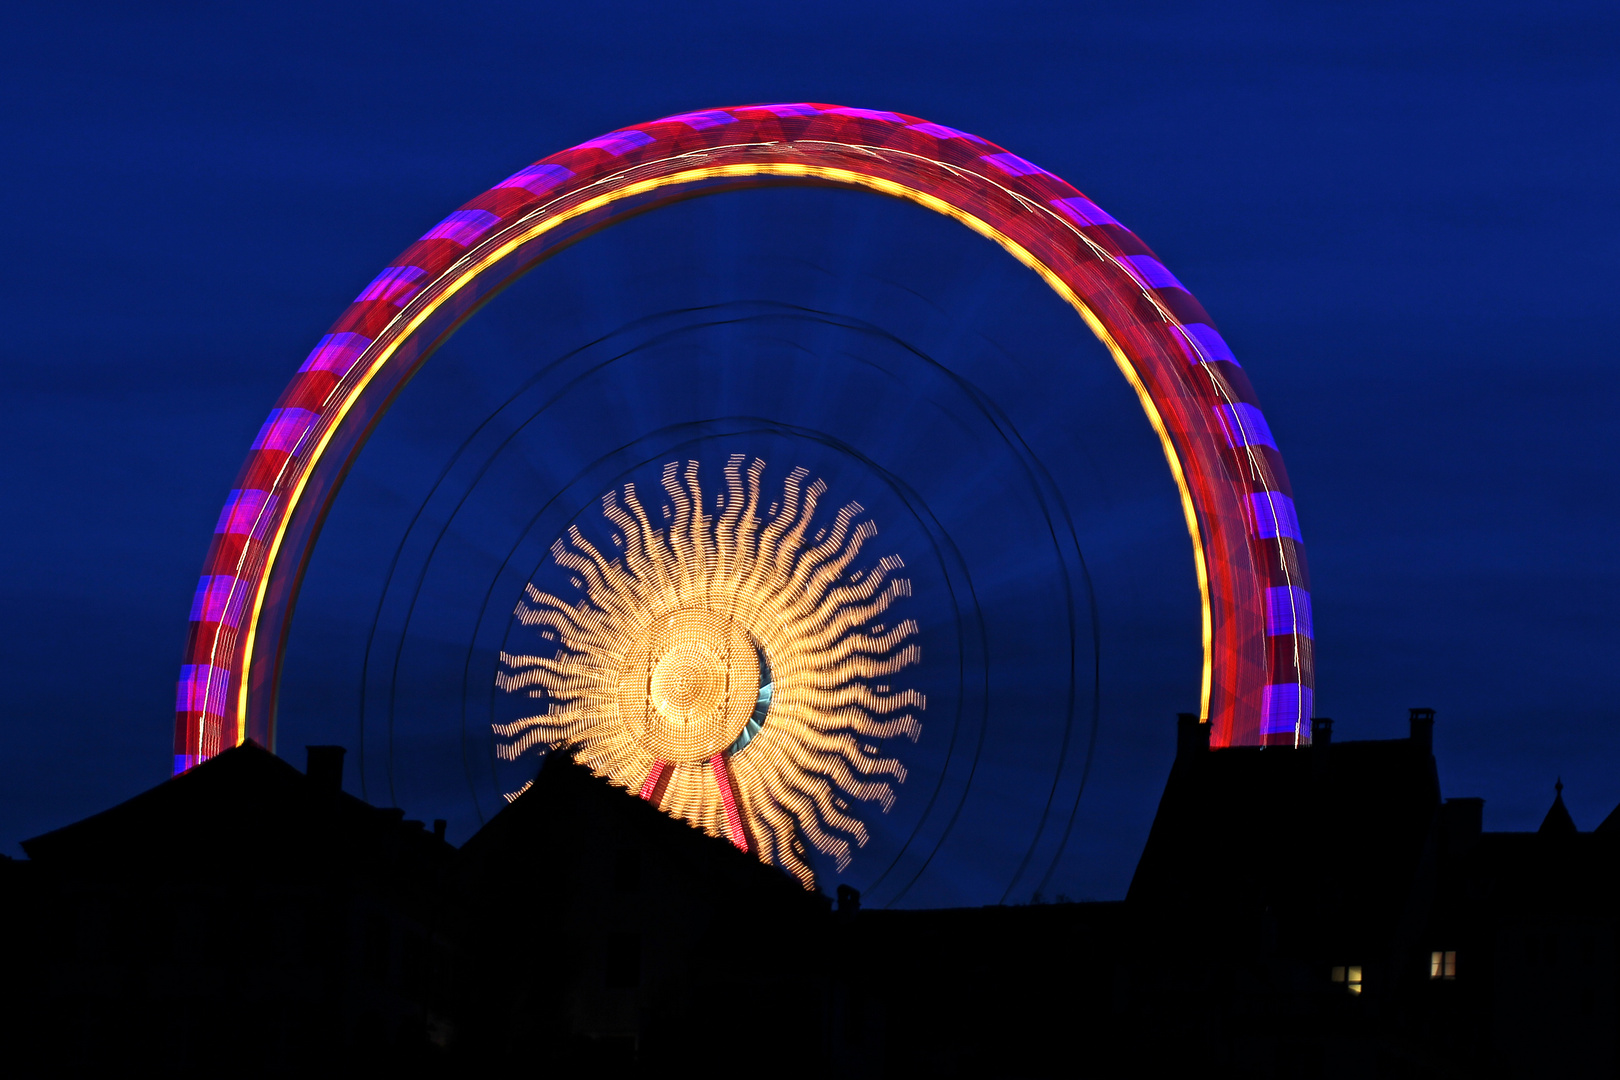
(242, 911)
(604, 933)
(1311, 912)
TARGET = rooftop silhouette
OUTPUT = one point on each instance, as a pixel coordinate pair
(1376, 927)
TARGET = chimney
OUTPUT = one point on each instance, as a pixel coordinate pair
(1422, 721)
(438, 829)
(324, 768)
(849, 900)
(1192, 736)
(1321, 740)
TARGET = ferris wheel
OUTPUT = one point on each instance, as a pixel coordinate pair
(722, 547)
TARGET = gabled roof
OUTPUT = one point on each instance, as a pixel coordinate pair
(245, 809)
(243, 779)
(567, 807)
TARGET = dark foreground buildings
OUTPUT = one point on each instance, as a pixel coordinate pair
(246, 917)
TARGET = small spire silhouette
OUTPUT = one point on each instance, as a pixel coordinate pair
(1558, 820)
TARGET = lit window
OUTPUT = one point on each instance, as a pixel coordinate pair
(1443, 965)
(1349, 977)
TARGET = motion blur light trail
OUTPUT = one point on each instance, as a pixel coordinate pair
(1258, 666)
(725, 667)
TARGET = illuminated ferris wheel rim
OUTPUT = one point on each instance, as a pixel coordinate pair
(1258, 669)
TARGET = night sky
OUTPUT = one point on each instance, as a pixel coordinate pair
(1403, 217)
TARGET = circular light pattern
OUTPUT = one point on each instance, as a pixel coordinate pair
(1259, 653)
(690, 684)
(725, 665)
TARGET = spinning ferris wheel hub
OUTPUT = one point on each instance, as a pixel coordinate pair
(701, 665)
(690, 682)
(705, 677)
(686, 622)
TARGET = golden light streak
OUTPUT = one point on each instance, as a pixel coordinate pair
(475, 262)
(747, 640)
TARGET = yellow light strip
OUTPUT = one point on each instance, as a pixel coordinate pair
(743, 169)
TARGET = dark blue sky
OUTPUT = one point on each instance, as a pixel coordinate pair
(1403, 217)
